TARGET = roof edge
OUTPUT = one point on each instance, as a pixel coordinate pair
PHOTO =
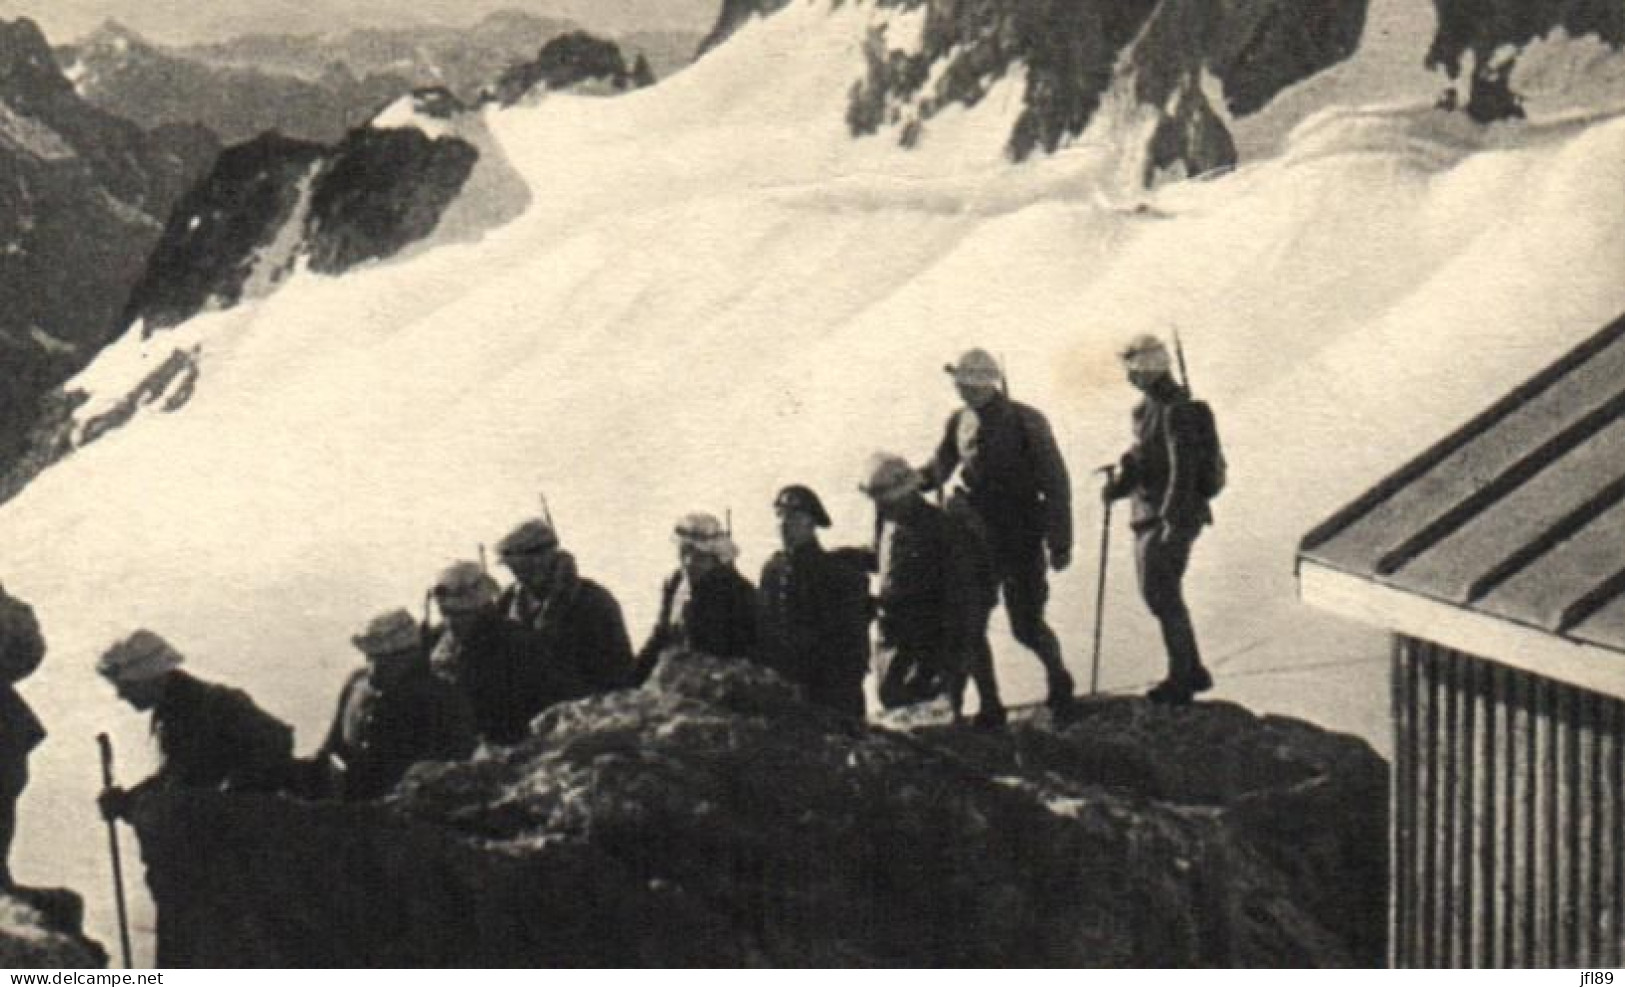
(1476, 426)
(1528, 649)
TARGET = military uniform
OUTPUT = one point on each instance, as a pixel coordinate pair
(934, 600)
(815, 625)
(577, 628)
(498, 666)
(1016, 481)
(214, 736)
(715, 616)
(1168, 514)
(378, 733)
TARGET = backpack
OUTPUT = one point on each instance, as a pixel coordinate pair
(1211, 468)
(21, 646)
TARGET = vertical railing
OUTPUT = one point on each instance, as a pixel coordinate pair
(1508, 826)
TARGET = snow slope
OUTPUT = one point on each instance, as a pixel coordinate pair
(714, 291)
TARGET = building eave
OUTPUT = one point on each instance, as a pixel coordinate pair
(1529, 649)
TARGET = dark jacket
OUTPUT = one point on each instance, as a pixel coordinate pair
(578, 628)
(377, 734)
(20, 730)
(1012, 472)
(814, 616)
(936, 578)
(213, 736)
(1159, 470)
(499, 667)
(22, 647)
(718, 619)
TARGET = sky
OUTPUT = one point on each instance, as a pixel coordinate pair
(179, 21)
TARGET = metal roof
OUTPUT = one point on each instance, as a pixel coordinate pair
(1519, 515)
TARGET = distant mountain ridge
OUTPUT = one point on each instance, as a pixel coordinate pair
(316, 87)
(84, 195)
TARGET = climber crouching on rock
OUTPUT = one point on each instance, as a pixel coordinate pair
(392, 714)
(209, 736)
(575, 624)
(492, 660)
(706, 606)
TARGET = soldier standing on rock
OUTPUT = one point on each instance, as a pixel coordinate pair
(22, 648)
(706, 605)
(392, 714)
(1159, 471)
(577, 623)
(209, 736)
(1015, 480)
(814, 609)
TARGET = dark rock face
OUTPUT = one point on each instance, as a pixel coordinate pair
(713, 818)
(569, 60)
(1075, 51)
(208, 249)
(363, 199)
(1479, 29)
(733, 16)
(83, 198)
(43, 928)
(383, 190)
(268, 204)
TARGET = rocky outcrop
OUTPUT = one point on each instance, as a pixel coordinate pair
(83, 199)
(384, 189)
(213, 243)
(43, 928)
(569, 61)
(1484, 36)
(1152, 55)
(733, 16)
(712, 818)
(274, 200)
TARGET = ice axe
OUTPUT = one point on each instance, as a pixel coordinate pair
(106, 747)
(1100, 581)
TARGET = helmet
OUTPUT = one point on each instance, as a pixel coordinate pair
(889, 477)
(388, 633)
(799, 498)
(704, 533)
(977, 368)
(530, 538)
(464, 586)
(1146, 353)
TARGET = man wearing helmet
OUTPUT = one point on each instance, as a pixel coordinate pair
(1169, 511)
(1014, 479)
(706, 605)
(936, 591)
(574, 624)
(494, 661)
(814, 609)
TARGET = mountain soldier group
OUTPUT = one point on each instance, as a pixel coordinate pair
(930, 581)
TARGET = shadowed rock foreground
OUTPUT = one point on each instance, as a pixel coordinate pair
(712, 818)
(43, 928)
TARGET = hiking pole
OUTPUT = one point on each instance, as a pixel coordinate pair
(106, 747)
(1100, 581)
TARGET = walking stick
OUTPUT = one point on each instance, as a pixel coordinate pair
(1100, 582)
(106, 747)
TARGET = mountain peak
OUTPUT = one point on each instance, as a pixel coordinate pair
(113, 31)
(26, 62)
